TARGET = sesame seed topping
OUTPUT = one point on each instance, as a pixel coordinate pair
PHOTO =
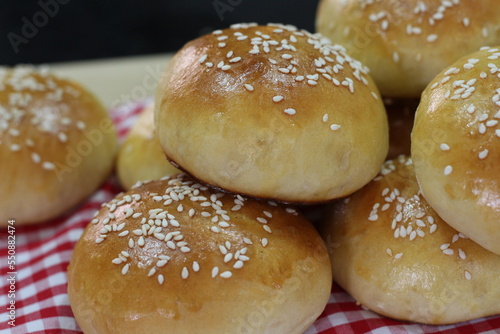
(432, 38)
(447, 170)
(290, 111)
(335, 127)
(444, 147)
(468, 275)
(202, 59)
(226, 274)
(125, 268)
(483, 154)
(35, 158)
(278, 98)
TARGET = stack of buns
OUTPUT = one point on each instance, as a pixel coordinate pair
(420, 242)
(257, 116)
(262, 117)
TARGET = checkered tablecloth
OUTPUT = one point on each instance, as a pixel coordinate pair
(43, 253)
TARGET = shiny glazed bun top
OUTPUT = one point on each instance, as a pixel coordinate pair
(57, 144)
(406, 43)
(272, 112)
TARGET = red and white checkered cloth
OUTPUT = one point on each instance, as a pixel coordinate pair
(44, 251)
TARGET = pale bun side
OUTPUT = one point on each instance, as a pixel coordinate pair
(391, 251)
(456, 146)
(173, 256)
(271, 112)
(57, 144)
(140, 157)
(406, 43)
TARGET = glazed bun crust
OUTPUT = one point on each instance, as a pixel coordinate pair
(456, 146)
(406, 43)
(57, 145)
(140, 157)
(259, 110)
(430, 273)
(223, 264)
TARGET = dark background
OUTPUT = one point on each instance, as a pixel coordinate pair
(46, 31)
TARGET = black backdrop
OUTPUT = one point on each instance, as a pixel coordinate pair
(45, 31)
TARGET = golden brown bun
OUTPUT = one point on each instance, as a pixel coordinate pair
(251, 127)
(57, 145)
(395, 256)
(400, 114)
(406, 43)
(456, 146)
(276, 280)
(140, 157)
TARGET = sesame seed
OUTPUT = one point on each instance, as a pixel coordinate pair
(277, 98)
(264, 242)
(262, 220)
(448, 169)
(468, 275)
(432, 38)
(35, 157)
(290, 111)
(433, 228)
(398, 255)
(140, 242)
(125, 268)
(226, 274)
(48, 165)
(444, 246)
(196, 266)
(225, 67)
(395, 57)
(483, 154)
(185, 273)
(335, 127)
(161, 279)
